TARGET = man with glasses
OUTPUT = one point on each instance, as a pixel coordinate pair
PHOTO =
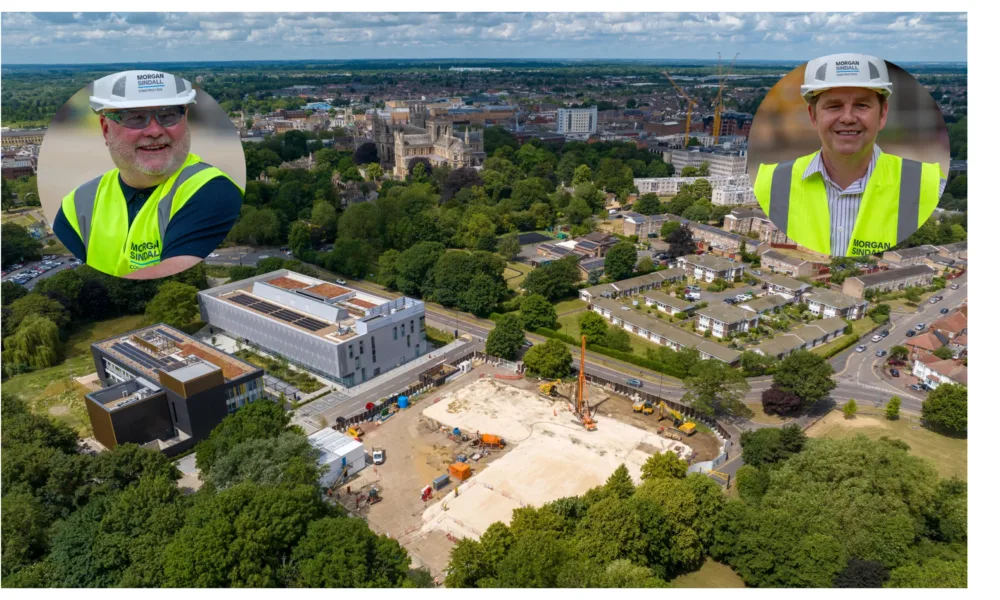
(162, 210)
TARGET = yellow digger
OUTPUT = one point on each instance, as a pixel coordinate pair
(644, 407)
(548, 388)
(680, 423)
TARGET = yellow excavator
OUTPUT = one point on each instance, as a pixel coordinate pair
(644, 407)
(548, 388)
(680, 423)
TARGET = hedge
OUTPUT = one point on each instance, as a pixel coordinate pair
(835, 347)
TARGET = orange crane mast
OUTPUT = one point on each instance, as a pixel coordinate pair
(582, 408)
(717, 121)
(691, 105)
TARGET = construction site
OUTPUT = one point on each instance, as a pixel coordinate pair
(471, 452)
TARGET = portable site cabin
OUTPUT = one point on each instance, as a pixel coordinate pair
(337, 451)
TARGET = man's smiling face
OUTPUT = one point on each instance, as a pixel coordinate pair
(154, 151)
(848, 119)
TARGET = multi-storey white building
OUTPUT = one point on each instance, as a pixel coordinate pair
(827, 304)
(708, 268)
(576, 120)
(720, 163)
(732, 195)
(669, 186)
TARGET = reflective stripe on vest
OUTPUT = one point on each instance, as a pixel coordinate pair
(141, 243)
(776, 182)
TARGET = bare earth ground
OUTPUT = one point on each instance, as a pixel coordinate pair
(549, 445)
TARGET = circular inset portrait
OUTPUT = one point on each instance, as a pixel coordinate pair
(141, 174)
(849, 155)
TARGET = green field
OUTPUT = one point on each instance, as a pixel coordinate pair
(52, 391)
(569, 306)
(515, 274)
(570, 325)
(711, 575)
(760, 417)
(949, 455)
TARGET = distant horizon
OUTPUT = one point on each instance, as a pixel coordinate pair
(103, 38)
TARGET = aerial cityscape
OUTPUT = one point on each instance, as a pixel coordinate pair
(516, 319)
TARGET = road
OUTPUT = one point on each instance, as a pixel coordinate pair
(247, 256)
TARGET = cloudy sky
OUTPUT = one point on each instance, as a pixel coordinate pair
(118, 37)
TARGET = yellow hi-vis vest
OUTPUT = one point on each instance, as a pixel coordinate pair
(900, 195)
(98, 212)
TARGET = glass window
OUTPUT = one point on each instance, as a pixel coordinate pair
(350, 351)
(361, 347)
(395, 335)
(407, 341)
(411, 325)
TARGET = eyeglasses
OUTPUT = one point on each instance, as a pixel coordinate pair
(139, 119)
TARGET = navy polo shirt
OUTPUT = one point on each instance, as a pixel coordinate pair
(196, 230)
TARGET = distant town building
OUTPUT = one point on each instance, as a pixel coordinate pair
(891, 280)
(576, 120)
(427, 137)
(14, 168)
(15, 138)
(721, 163)
(670, 186)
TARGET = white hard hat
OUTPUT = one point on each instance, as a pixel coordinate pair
(846, 70)
(141, 89)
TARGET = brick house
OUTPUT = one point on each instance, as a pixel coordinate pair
(787, 265)
(933, 371)
(908, 256)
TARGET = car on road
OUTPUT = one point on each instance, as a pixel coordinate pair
(341, 282)
(214, 255)
(693, 288)
(881, 353)
(264, 256)
(934, 300)
(911, 333)
(876, 338)
(954, 286)
(756, 272)
(943, 311)
(894, 372)
(378, 455)
(527, 344)
(634, 383)
(861, 348)
(885, 333)
(920, 326)
(916, 386)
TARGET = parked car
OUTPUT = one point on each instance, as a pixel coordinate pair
(933, 301)
(861, 348)
(527, 344)
(214, 255)
(916, 386)
(954, 286)
(692, 296)
(378, 455)
(896, 362)
(920, 326)
(635, 383)
(876, 338)
(911, 333)
(894, 372)
(881, 353)
(943, 311)
(341, 282)
(885, 333)
(756, 272)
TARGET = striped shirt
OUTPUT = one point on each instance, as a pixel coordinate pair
(844, 203)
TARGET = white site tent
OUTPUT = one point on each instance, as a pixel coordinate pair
(337, 451)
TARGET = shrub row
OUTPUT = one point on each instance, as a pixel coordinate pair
(639, 361)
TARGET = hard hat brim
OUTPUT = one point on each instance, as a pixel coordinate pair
(809, 91)
(100, 104)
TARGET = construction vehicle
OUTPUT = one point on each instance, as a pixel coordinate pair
(582, 407)
(717, 122)
(489, 440)
(355, 432)
(691, 104)
(638, 406)
(680, 423)
(548, 388)
(378, 455)
(647, 408)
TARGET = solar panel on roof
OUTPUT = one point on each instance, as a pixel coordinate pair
(243, 299)
(311, 324)
(137, 356)
(266, 307)
(287, 315)
(169, 335)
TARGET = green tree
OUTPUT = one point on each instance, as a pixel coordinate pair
(771, 445)
(715, 386)
(300, 239)
(664, 465)
(387, 272)
(374, 171)
(751, 483)
(648, 204)
(287, 459)
(850, 409)
(554, 280)
(593, 326)
(533, 561)
(10, 291)
(508, 246)
(581, 175)
(944, 353)
(689, 172)
(25, 538)
(899, 353)
(506, 339)
(34, 345)
(176, 304)
(912, 295)
(669, 227)
(619, 262)
(932, 573)
(17, 245)
(261, 419)
(324, 217)
(537, 312)
(36, 304)
(892, 408)
(482, 295)
(620, 484)
(806, 375)
(345, 553)
(414, 266)
(551, 360)
(755, 364)
(681, 243)
(947, 408)
(645, 265)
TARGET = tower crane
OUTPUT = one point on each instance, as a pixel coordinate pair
(691, 105)
(717, 121)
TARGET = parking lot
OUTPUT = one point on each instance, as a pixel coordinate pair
(31, 273)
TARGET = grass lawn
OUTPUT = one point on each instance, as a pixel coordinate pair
(568, 306)
(53, 392)
(439, 337)
(711, 575)
(56, 248)
(903, 305)
(760, 417)
(570, 325)
(306, 383)
(19, 217)
(515, 274)
(949, 455)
